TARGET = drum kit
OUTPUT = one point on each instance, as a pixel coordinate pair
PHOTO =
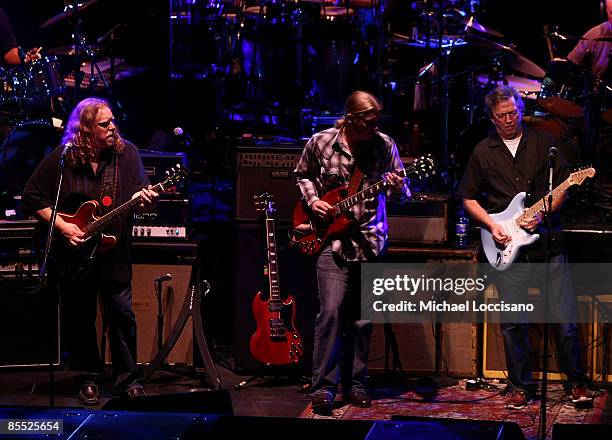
(464, 59)
(33, 94)
(287, 52)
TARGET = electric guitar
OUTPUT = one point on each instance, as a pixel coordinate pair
(78, 259)
(311, 233)
(502, 256)
(276, 340)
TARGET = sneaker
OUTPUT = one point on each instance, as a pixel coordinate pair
(581, 398)
(517, 400)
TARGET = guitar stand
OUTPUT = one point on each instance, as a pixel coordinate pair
(268, 370)
(191, 307)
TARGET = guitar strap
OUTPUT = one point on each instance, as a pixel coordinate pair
(355, 181)
(108, 191)
(530, 171)
(353, 187)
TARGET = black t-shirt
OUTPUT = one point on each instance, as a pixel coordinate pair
(7, 38)
(492, 172)
(79, 185)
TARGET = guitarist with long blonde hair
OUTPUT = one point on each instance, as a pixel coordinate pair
(355, 154)
(102, 167)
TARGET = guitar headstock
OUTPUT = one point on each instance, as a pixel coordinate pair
(265, 203)
(579, 176)
(174, 176)
(423, 166)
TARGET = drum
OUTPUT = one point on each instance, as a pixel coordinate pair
(34, 80)
(561, 90)
(527, 87)
(330, 56)
(267, 47)
(23, 146)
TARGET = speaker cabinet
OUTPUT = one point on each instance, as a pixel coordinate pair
(296, 277)
(459, 348)
(149, 261)
(266, 169)
(602, 331)
(494, 359)
(422, 220)
(29, 326)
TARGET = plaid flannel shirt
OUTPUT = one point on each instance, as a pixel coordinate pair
(326, 164)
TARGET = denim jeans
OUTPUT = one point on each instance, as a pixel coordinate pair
(512, 286)
(342, 339)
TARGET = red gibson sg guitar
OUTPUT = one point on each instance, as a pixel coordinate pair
(312, 233)
(276, 340)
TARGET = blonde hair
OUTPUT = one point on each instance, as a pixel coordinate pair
(357, 103)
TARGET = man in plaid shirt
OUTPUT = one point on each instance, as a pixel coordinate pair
(328, 161)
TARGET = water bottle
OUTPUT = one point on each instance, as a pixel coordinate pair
(462, 229)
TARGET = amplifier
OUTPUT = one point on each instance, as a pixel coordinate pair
(421, 220)
(156, 163)
(267, 169)
(170, 220)
(18, 245)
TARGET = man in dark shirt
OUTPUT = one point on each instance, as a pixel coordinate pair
(511, 160)
(9, 48)
(100, 166)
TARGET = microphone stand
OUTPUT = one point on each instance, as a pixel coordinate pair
(160, 314)
(547, 212)
(44, 269)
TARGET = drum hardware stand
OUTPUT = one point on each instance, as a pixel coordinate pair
(191, 308)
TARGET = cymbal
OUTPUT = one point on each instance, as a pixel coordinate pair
(87, 50)
(510, 57)
(472, 25)
(67, 12)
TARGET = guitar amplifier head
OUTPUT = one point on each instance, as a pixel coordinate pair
(169, 220)
(268, 169)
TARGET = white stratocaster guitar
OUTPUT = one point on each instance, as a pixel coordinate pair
(500, 256)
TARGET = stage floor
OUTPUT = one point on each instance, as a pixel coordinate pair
(394, 396)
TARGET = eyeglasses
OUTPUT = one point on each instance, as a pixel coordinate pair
(512, 115)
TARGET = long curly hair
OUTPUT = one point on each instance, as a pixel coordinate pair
(79, 131)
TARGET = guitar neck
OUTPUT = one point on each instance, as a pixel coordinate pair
(370, 191)
(272, 261)
(97, 226)
(541, 204)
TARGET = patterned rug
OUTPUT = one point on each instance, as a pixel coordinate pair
(457, 403)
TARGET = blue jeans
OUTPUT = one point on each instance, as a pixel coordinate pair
(341, 339)
(512, 286)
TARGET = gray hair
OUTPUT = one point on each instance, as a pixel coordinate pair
(502, 93)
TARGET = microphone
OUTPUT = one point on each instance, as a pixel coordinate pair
(67, 147)
(552, 152)
(184, 139)
(165, 277)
